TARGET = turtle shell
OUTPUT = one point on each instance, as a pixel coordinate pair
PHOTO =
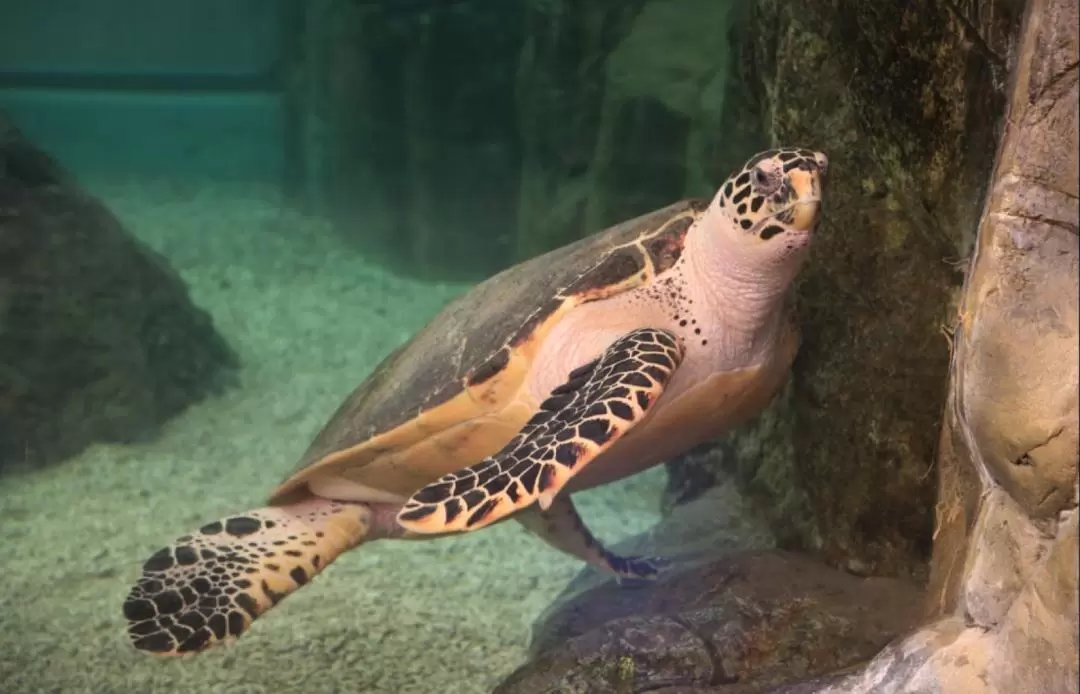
(439, 402)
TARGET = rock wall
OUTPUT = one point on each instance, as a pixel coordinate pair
(99, 340)
(1007, 521)
(453, 139)
(906, 98)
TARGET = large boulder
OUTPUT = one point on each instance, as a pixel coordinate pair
(99, 340)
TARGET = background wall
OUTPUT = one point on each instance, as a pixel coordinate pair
(148, 87)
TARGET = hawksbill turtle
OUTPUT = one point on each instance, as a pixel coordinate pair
(570, 370)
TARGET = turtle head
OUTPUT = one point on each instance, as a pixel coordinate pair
(773, 202)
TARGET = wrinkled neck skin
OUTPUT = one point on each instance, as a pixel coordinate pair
(745, 288)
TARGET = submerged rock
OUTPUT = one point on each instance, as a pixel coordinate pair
(761, 617)
(99, 340)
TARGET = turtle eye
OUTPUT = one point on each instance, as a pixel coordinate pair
(765, 181)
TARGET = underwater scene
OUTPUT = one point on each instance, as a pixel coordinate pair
(756, 321)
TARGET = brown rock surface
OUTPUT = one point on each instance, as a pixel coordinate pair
(765, 617)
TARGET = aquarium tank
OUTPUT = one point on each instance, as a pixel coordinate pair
(716, 302)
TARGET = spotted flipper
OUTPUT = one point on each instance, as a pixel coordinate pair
(209, 586)
(582, 418)
(561, 527)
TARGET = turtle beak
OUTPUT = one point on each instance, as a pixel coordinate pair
(805, 214)
(807, 184)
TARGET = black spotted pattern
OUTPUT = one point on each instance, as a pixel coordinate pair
(599, 402)
(671, 292)
(762, 190)
(209, 586)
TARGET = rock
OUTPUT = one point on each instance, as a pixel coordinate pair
(759, 617)
(907, 99)
(729, 606)
(715, 524)
(99, 340)
(1007, 514)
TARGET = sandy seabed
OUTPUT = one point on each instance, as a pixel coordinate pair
(310, 318)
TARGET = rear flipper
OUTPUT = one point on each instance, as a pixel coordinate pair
(209, 586)
(561, 527)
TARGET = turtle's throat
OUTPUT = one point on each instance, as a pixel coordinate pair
(735, 279)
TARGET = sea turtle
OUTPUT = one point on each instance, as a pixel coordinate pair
(570, 370)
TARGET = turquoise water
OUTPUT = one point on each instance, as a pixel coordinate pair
(323, 177)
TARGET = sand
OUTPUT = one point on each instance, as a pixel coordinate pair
(310, 318)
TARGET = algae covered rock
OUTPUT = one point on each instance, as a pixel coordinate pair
(99, 340)
(759, 617)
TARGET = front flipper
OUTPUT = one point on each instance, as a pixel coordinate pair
(561, 527)
(581, 419)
